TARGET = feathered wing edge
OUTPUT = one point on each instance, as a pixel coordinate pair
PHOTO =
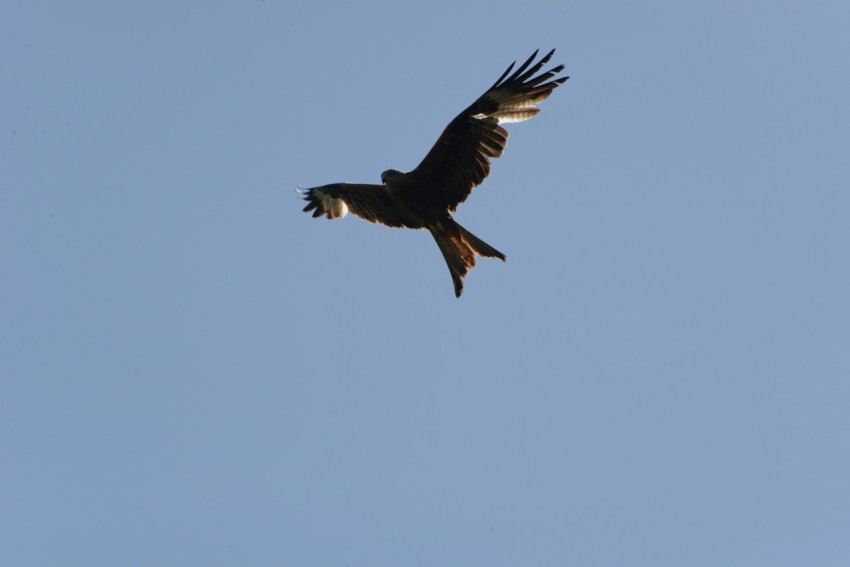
(516, 97)
(369, 202)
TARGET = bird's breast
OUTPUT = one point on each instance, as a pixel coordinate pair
(419, 200)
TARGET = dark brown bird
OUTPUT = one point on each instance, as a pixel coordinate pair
(458, 162)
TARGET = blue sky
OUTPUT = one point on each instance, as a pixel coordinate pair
(194, 372)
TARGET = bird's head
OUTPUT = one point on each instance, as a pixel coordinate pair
(389, 175)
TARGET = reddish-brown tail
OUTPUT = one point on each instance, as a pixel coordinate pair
(459, 248)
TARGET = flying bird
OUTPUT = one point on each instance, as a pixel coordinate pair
(425, 197)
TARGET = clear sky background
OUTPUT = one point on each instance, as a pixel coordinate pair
(194, 372)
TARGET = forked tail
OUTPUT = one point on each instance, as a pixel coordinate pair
(459, 248)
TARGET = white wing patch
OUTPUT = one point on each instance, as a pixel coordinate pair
(335, 207)
(509, 115)
(510, 110)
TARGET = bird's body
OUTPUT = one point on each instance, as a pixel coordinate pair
(425, 197)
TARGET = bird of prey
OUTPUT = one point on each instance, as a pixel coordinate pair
(460, 160)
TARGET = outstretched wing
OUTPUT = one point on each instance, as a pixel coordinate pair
(369, 202)
(460, 160)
